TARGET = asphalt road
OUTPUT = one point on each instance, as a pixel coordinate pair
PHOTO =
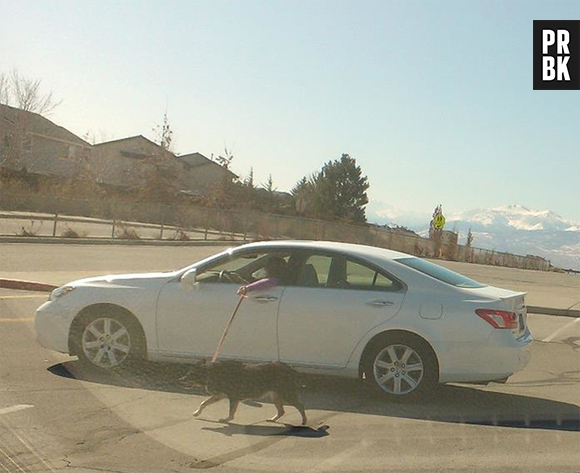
(56, 416)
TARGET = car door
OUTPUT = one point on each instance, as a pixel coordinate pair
(191, 318)
(335, 301)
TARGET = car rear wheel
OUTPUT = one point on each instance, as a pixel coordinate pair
(108, 341)
(400, 367)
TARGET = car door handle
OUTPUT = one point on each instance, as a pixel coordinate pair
(380, 303)
(265, 298)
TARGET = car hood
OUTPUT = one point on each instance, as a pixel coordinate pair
(127, 280)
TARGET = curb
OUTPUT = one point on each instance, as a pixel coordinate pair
(114, 241)
(26, 285)
(551, 311)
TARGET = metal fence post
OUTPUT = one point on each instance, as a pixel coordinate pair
(54, 226)
(113, 229)
(162, 224)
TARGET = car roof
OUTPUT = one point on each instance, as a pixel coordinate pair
(364, 251)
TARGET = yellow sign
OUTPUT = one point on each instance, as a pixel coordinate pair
(439, 221)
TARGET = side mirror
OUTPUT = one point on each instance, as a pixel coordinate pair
(189, 278)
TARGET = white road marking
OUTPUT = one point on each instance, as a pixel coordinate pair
(16, 408)
(12, 461)
(549, 338)
(34, 451)
(20, 319)
(35, 296)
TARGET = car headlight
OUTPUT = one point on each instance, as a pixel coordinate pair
(60, 292)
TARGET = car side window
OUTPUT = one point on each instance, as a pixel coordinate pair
(338, 272)
(239, 269)
(359, 276)
(315, 271)
(226, 269)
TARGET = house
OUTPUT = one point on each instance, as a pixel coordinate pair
(128, 163)
(202, 173)
(31, 142)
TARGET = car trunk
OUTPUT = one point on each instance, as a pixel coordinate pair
(507, 300)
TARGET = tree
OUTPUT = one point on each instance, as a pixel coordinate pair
(249, 180)
(164, 133)
(162, 179)
(26, 94)
(268, 191)
(223, 193)
(469, 241)
(337, 192)
(4, 89)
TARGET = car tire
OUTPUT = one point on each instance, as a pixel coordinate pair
(400, 367)
(107, 340)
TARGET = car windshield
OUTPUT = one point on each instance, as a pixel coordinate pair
(440, 273)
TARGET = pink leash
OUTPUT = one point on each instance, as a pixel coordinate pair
(222, 340)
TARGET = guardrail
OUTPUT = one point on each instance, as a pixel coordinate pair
(117, 224)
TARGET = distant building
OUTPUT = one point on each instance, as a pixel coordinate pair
(127, 163)
(203, 173)
(29, 141)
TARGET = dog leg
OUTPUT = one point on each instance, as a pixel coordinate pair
(210, 400)
(279, 407)
(233, 408)
(298, 405)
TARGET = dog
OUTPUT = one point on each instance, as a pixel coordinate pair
(238, 382)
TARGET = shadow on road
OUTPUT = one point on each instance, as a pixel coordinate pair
(455, 404)
(286, 430)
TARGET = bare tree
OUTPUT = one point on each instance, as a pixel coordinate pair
(4, 89)
(101, 136)
(26, 94)
(164, 133)
(224, 161)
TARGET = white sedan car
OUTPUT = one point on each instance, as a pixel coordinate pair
(395, 320)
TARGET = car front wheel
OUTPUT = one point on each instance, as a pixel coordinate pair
(107, 341)
(401, 367)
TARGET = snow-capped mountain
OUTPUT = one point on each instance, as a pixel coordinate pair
(515, 217)
(518, 229)
(512, 228)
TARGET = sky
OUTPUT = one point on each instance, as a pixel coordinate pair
(434, 99)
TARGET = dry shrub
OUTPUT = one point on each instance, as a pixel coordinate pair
(29, 231)
(180, 235)
(127, 233)
(70, 233)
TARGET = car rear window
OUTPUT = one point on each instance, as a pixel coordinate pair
(440, 273)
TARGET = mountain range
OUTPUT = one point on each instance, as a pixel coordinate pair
(515, 229)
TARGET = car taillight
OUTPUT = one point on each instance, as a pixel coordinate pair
(501, 319)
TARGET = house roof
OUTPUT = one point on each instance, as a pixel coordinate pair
(128, 138)
(38, 125)
(193, 160)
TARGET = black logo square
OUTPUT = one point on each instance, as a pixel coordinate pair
(556, 55)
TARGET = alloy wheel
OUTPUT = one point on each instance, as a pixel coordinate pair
(398, 369)
(106, 342)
